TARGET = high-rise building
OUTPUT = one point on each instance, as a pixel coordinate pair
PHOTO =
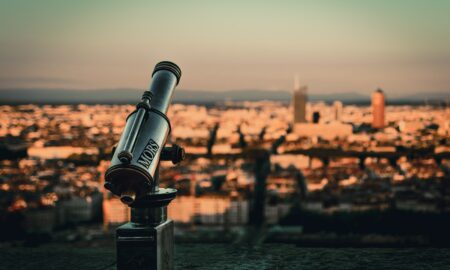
(378, 109)
(299, 100)
(337, 108)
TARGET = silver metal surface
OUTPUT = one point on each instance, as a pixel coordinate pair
(162, 88)
(145, 247)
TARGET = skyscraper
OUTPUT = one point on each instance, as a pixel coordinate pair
(299, 100)
(378, 109)
(337, 107)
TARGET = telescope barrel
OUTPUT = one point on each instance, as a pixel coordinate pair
(165, 77)
(134, 164)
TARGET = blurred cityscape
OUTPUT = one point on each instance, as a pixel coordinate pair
(328, 169)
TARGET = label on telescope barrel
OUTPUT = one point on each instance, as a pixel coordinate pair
(148, 154)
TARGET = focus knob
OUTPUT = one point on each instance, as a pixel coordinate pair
(174, 153)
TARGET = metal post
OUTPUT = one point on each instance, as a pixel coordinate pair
(146, 242)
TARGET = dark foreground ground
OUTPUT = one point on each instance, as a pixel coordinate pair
(223, 256)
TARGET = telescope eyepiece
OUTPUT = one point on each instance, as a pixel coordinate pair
(128, 197)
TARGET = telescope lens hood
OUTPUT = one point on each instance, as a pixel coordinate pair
(169, 66)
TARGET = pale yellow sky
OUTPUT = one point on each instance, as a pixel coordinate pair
(334, 46)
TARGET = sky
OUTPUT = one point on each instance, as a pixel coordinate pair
(402, 46)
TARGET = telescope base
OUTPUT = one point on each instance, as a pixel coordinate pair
(145, 247)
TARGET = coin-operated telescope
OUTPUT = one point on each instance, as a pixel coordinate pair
(146, 242)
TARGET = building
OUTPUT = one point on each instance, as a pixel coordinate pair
(82, 209)
(337, 108)
(316, 117)
(299, 100)
(114, 212)
(40, 220)
(325, 131)
(378, 109)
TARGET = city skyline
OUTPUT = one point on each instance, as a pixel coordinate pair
(104, 167)
(353, 47)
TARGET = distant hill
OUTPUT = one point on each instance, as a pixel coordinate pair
(70, 96)
(256, 95)
(74, 96)
(431, 96)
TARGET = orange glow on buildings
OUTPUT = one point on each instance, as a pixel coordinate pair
(378, 109)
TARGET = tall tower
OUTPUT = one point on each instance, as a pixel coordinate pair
(338, 107)
(378, 109)
(299, 100)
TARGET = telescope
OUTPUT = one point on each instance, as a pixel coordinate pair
(146, 242)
